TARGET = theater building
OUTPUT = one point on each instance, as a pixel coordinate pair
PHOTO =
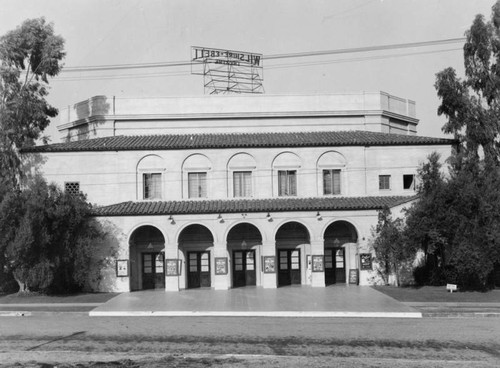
(234, 191)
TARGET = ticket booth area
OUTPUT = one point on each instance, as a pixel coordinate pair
(196, 248)
(147, 260)
(243, 242)
(337, 237)
(291, 240)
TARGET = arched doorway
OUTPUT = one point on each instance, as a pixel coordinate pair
(147, 268)
(290, 241)
(242, 242)
(196, 243)
(337, 236)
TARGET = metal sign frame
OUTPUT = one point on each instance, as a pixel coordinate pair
(228, 71)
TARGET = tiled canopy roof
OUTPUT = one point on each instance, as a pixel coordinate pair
(239, 140)
(148, 208)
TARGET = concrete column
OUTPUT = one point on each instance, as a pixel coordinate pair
(269, 280)
(351, 260)
(318, 249)
(171, 253)
(221, 282)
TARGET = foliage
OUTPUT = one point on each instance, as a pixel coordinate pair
(456, 225)
(427, 222)
(392, 253)
(49, 238)
(457, 222)
(29, 55)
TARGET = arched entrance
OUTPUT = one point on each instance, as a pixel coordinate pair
(147, 269)
(242, 242)
(290, 241)
(196, 243)
(337, 236)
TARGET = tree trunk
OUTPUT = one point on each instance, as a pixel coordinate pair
(23, 287)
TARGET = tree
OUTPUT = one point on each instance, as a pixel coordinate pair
(472, 106)
(471, 195)
(392, 253)
(29, 56)
(427, 222)
(49, 238)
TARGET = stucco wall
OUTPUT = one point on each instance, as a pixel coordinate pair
(122, 229)
(102, 116)
(113, 177)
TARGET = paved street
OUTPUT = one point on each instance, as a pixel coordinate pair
(243, 342)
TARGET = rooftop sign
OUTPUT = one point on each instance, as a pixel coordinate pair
(228, 71)
(225, 57)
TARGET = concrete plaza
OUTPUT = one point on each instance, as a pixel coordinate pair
(293, 301)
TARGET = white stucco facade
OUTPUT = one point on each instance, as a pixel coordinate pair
(303, 214)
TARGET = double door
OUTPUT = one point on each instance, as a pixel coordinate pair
(153, 270)
(289, 267)
(243, 268)
(334, 266)
(198, 269)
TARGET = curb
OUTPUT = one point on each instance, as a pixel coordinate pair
(461, 314)
(273, 314)
(41, 313)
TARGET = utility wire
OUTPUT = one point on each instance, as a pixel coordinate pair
(268, 57)
(276, 66)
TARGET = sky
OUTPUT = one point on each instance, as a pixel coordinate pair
(124, 32)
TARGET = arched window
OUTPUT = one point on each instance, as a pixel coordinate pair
(285, 174)
(241, 169)
(330, 173)
(150, 172)
(195, 170)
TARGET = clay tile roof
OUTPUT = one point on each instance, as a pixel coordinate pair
(156, 208)
(239, 140)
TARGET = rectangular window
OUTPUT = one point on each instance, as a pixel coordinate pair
(72, 187)
(152, 186)
(242, 183)
(409, 182)
(384, 182)
(287, 183)
(197, 185)
(331, 182)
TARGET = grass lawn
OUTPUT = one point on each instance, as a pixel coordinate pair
(47, 299)
(438, 294)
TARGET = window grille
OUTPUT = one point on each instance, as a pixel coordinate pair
(72, 187)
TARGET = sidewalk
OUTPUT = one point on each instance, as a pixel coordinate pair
(295, 301)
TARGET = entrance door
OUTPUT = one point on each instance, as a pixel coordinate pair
(334, 266)
(153, 271)
(243, 268)
(199, 269)
(289, 267)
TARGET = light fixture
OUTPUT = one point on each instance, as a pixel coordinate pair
(221, 220)
(318, 216)
(171, 219)
(269, 217)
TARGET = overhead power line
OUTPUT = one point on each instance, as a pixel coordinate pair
(276, 66)
(367, 49)
(268, 57)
